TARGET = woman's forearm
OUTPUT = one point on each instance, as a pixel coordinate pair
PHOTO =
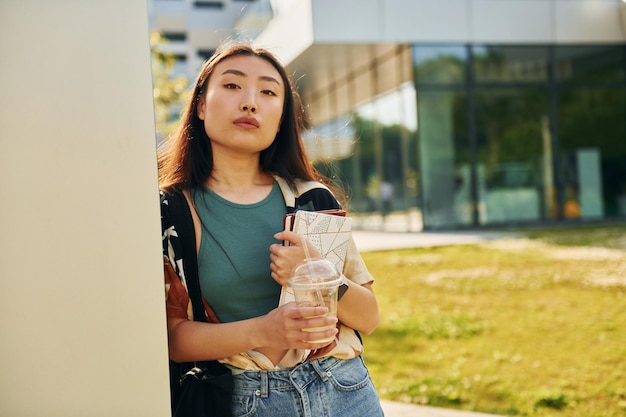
(280, 329)
(196, 341)
(358, 308)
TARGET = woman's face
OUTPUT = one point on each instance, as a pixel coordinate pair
(243, 105)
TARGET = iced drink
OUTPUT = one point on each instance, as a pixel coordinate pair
(315, 283)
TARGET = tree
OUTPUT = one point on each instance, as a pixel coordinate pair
(169, 92)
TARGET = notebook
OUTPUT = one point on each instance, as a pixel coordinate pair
(329, 231)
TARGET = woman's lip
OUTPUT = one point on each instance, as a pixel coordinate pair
(247, 122)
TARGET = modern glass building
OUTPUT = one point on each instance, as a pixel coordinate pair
(194, 28)
(464, 113)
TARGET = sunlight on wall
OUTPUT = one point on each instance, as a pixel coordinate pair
(81, 295)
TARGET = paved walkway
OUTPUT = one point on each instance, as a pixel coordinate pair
(392, 409)
(370, 240)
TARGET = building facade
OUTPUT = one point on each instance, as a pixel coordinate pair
(195, 28)
(465, 113)
(460, 113)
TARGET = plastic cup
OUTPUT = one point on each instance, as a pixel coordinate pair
(315, 283)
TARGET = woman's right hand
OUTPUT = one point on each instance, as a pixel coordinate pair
(284, 326)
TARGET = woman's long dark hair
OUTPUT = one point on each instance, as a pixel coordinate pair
(185, 159)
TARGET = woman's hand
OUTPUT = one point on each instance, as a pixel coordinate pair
(286, 258)
(281, 329)
(284, 327)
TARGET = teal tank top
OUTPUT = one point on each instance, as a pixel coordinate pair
(234, 257)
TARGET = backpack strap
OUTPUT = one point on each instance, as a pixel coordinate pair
(183, 222)
(182, 219)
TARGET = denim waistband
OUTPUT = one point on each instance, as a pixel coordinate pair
(300, 376)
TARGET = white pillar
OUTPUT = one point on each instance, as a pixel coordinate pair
(82, 314)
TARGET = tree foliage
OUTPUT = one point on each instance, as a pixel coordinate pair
(169, 91)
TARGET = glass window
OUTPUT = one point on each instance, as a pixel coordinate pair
(175, 36)
(590, 63)
(521, 173)
(376, 155)
(515, 181)
(393, 108)
(492, 63)
(203, 4)
(444, 158)
(440, 64)
(592, 136)
(205, 54)
(387, 130)
(366, 130)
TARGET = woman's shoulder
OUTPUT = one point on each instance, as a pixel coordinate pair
(301, 186)
(304, 186)
(307, 195)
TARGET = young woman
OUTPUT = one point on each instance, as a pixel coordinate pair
(239, 160)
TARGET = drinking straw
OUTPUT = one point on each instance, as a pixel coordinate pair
(307, 255)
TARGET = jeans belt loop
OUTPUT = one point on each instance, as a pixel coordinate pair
(318, 368)
(265, 388)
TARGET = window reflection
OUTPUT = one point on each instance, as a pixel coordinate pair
(592, 136)
(445, 166)
(590, 63)
(510, 63)
(381, 167)
(440, 64)
(512, 180)
(386, 128)
(498, 142)
(393, 108)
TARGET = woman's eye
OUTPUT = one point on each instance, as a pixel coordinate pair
(269, 92)
(231, 86)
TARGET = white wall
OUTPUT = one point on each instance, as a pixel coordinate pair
(81, 297)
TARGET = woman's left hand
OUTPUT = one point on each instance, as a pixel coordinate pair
(285, 258)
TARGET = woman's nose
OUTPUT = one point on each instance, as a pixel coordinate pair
(248, 106)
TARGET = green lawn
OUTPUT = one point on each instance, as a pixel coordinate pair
(531, 326)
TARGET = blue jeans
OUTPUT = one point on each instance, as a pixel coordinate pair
(325, 387)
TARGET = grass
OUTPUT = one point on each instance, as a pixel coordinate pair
(530, 326)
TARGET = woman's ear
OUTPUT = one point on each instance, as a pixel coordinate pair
(200, 107)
